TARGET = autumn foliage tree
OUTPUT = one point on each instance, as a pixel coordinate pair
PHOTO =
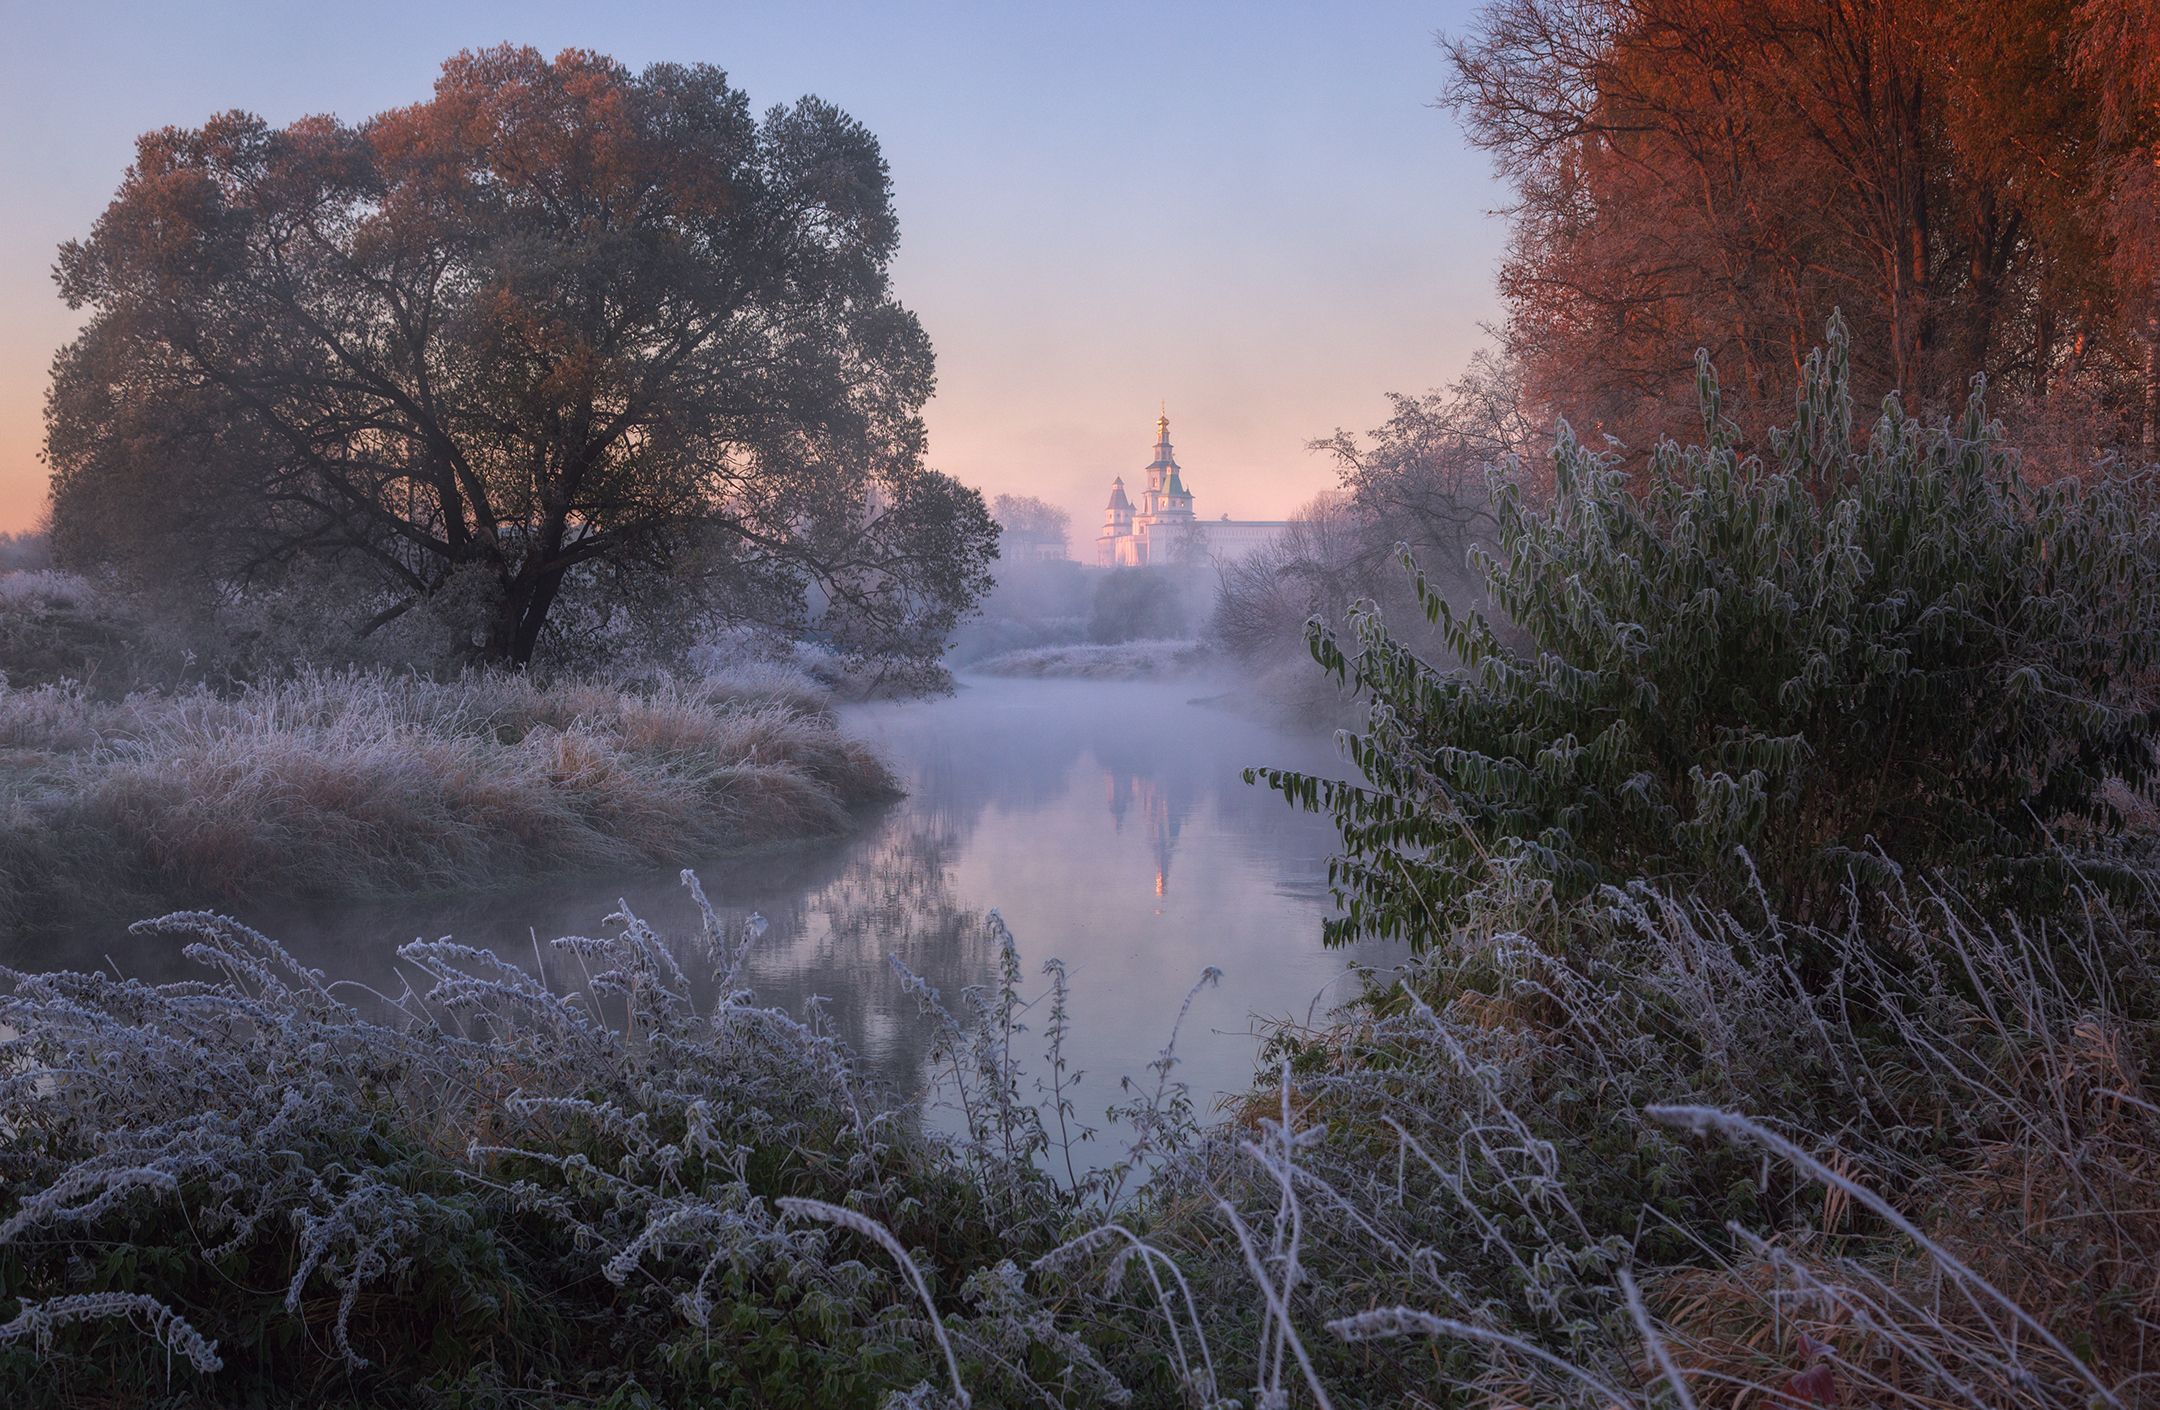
(560, 324)
(1969, 181)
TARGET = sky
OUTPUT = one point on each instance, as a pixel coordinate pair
(1252, 214)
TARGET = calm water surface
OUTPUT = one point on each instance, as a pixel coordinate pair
(1105, 821)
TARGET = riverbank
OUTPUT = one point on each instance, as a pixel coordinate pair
(1122, 661)
(359, 784)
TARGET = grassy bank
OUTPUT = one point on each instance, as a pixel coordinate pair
(354, 784)
(1123, 661)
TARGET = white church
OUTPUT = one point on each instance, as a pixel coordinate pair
(1163, 528)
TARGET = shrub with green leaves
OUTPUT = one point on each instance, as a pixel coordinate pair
(1783, 666)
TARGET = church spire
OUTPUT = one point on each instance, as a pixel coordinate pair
(1163, 459)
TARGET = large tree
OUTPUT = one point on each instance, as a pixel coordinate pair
(561, 324)
(1713, 174)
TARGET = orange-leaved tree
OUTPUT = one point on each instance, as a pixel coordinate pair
(1967, 180)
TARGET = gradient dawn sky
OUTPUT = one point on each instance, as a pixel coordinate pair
(1252, 212)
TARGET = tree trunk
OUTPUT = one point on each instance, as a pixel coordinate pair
(536, 610)
(515, 631)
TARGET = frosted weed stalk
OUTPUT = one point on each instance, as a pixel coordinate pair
(1934, 1188)
(433, 1178)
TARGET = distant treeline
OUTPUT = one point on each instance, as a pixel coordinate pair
(31, 549)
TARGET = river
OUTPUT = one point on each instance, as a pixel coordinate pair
(1105, 821)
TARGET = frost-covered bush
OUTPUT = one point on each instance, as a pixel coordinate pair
(1763, 669)
(56, 627)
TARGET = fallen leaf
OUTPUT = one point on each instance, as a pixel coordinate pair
(1817, 1385)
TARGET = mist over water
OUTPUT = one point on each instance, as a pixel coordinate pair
(1106, 822)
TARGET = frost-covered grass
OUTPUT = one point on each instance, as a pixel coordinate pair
(1128, 660)
(30, 589)
(54, 625)
(348, 784)
(1628, 1152)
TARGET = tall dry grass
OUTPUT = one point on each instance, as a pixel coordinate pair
(351, 784)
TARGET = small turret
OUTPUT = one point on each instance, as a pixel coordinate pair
(1117, 517)
(1117, 526)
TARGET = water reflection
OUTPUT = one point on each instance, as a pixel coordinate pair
(1106, 821)
(894, 899)
(1109, 824)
